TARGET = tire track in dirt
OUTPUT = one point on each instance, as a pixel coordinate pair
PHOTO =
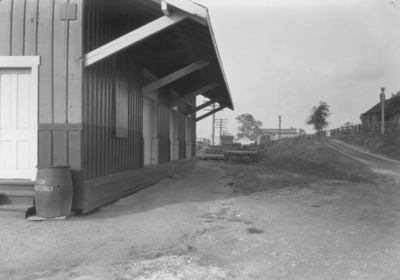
(374, 161)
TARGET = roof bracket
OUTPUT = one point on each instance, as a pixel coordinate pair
(204, 105)
(174, 76)
(193, 94)
(210, 113)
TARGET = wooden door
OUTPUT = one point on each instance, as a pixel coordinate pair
(18, 124)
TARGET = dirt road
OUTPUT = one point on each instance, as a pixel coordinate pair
(376, 162)
(221, 221)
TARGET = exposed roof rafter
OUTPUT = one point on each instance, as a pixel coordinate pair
(133, 37)
(204, 105)
(174, 76)
(210, 113)
(193, 94)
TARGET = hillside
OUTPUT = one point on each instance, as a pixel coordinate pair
(312, 157)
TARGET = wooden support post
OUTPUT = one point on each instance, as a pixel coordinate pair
(192, 95)
(210, 113)
(134, 37)
(204, 105)
(174, 76)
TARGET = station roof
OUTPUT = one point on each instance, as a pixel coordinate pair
(170, 49)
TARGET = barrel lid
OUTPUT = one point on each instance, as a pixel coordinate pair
(52, 166)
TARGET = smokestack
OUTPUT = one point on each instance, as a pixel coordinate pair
(279, 127)
(383, 109)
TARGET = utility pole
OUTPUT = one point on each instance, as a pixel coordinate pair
(279, 127)
(213, 121)
(220, 123)
(383, 98)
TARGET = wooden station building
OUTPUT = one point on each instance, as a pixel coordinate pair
(106, 86)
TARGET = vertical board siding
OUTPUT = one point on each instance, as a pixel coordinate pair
(60, 41)
(31, 15)
(75, 66)
(34, 27)
(106, 154)
(163, 127)
(6, 7)
(18, 27)
(45, 50)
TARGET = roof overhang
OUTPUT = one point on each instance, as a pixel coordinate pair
(177, 27)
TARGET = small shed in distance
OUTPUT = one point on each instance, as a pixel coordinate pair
(284, 132)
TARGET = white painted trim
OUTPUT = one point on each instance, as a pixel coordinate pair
(32, 62)
(219, 59)
(187, 6)
(133, 37)
(19, 61)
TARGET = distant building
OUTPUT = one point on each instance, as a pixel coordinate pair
(244, 140)
(265, 137)
(285, 132)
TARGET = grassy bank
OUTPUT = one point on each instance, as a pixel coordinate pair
(387, 145)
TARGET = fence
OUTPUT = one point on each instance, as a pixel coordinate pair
(391, 127)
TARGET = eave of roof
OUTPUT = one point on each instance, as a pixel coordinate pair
(377, 108)
(200, 12)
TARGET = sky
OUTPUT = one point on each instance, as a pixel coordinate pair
(282, 57)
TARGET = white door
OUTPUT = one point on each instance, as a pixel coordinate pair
(18, 124)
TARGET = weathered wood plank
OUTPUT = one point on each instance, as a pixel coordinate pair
(18, 27)
(60, 66)
(60, 153)
(45, 148)
(174, 76)
(5, 27)
(45, 50)
(60, 126)
(134, 37)
(31, 16)
(75, 65)
(74, 150)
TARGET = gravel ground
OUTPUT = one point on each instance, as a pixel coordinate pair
(222, 221)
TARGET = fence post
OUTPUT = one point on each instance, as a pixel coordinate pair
(352, 130)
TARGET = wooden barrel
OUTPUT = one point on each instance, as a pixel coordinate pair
(53, 191)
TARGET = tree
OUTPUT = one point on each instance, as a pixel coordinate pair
(347, 123)
(248, 126)
(302, 131)
(318, 117)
